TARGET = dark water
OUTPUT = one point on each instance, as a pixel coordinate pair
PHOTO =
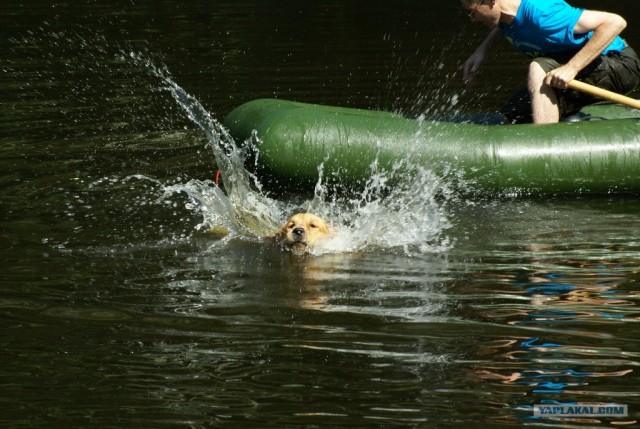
(118, 309)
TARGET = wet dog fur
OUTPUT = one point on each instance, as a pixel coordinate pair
(302, 232)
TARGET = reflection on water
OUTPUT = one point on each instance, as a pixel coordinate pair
(120, 309)
(571, 300)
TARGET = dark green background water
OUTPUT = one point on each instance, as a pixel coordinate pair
(117, 311)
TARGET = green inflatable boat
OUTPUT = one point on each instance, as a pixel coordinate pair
(600, 154)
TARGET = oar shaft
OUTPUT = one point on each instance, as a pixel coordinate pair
(604, 94)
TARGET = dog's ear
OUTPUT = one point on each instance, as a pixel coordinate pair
(280, 234)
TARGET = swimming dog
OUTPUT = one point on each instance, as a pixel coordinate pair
(302, 232)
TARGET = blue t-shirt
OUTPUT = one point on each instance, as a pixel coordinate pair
(545, 27)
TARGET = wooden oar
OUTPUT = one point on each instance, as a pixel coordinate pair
(604, 94)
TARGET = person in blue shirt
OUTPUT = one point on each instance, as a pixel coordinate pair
(565, 43)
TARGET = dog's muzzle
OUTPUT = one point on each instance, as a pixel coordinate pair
(299, 234)
(299, 244)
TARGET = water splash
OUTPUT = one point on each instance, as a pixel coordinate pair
(404, 207)
(408, 215)
(245, 209)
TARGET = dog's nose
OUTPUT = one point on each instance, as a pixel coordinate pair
(298, 231)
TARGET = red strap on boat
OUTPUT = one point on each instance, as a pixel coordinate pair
(217, 178)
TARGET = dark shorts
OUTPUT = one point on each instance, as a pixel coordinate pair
(617, 72)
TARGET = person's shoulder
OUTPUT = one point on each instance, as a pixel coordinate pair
(545, 7)
(546, 3)
(556, 11)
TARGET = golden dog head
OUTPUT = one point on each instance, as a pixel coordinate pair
(303, 231)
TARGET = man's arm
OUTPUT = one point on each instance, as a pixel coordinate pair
(478, 56)
(605, 26)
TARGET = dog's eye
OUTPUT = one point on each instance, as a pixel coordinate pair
(313, 225)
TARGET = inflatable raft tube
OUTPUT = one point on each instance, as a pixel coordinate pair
(600, 155)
